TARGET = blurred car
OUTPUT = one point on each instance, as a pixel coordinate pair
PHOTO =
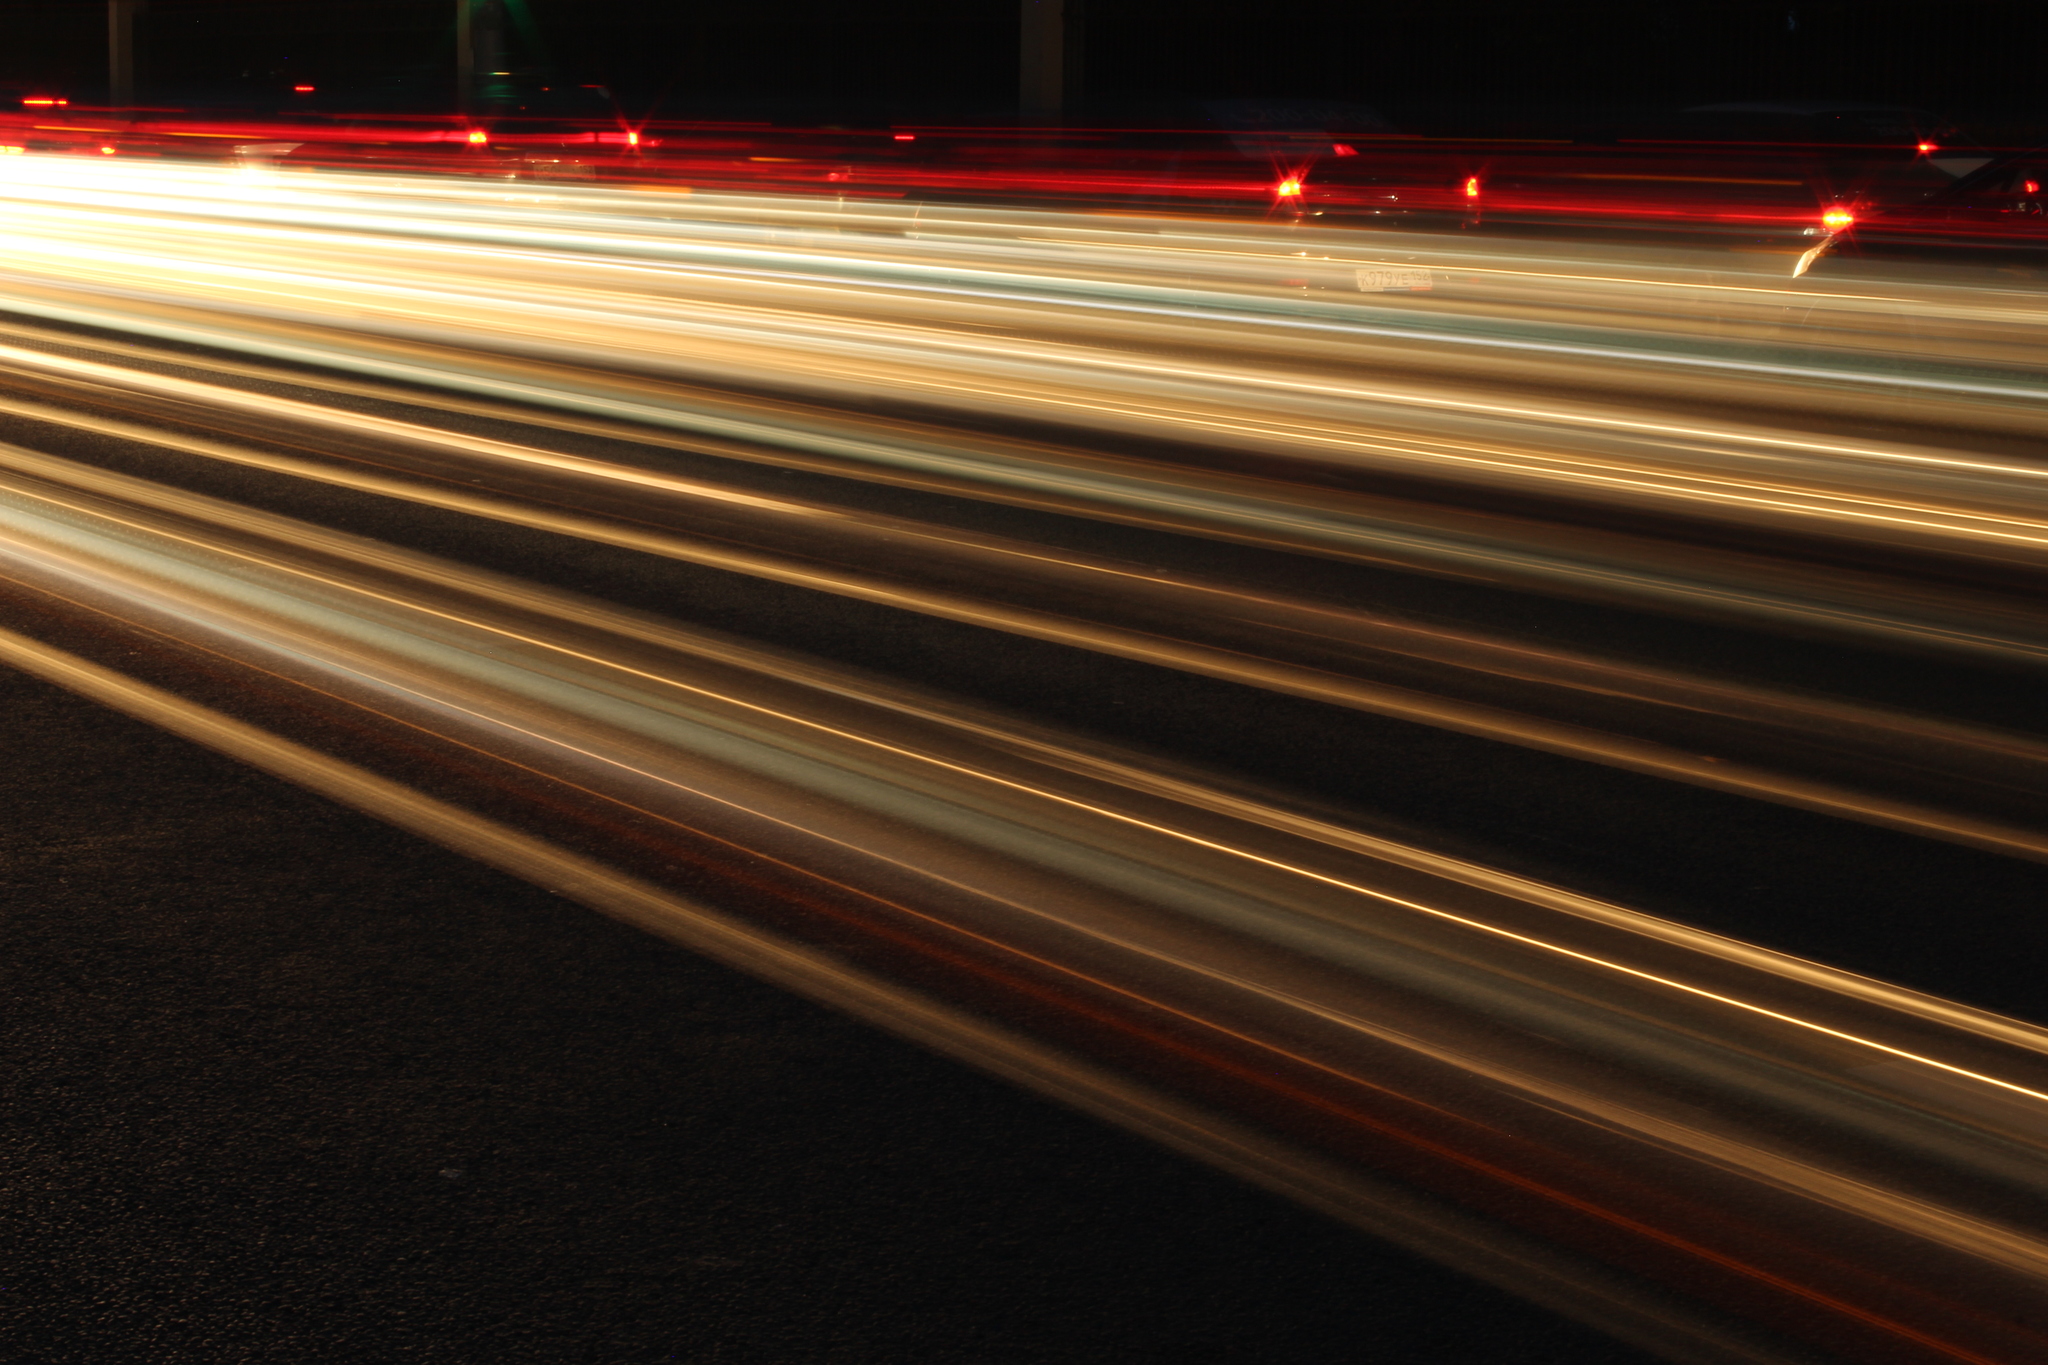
(30, 99)
(1815, 121)
(1766, 171)
(1897, 134)
(1993, 220)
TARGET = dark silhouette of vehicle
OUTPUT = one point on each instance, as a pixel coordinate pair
(1994, 220)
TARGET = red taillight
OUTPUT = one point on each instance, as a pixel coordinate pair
(2033, 186)
(1288, 189)
(906, 137)
(1834, 220)
(106, 151)
(1343, 149)
(302, 90)
(12, 151)
(1471, 187)
(1926, 147)
(478, 137)
(632, 139)
(39, 100)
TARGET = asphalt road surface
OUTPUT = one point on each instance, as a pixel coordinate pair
(286, 1085)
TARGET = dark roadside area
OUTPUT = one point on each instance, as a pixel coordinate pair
(286, 1085)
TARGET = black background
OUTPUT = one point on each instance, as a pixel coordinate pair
(929, 58)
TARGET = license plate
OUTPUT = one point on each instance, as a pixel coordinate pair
(1379, 279)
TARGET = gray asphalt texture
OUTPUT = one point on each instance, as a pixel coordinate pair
(282, 1084)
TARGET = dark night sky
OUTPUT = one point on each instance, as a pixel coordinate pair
(911, 57)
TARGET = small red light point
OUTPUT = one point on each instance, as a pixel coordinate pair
(1343, 149)
(2033, 186)
(632, 139)
(302, 89)
(1836, 219)
(1926, 147)
(478, 137)
(1288, 188)
(906, 137)
(1471, 187)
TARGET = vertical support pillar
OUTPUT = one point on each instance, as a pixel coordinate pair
(121, 53)
(465, 57)
(1042, 59)
(481, 51)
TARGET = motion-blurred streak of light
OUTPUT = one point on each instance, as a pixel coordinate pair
(1748, 1089)
(928, 265)
(1920, 744)
(1959, 523)
(1963, 498)
(403, 210)
(1157, 494)
(1049, 376)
